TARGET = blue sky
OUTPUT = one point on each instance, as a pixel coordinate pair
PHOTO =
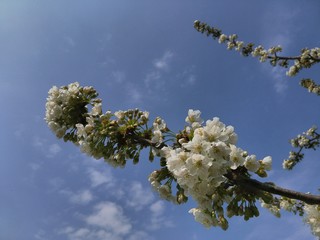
(144, 54)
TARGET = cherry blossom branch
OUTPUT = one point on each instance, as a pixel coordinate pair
(253, 184)
(307, 59)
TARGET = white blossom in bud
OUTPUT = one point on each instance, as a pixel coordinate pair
(203, 218)
(222, 38)
(293, 70)
(96, 109)
(251, 163)
(194, 117)
(119, 114)
(267, 163)
(81, 132)
(236, 157)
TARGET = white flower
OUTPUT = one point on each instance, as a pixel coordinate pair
(267, 163)
(236, 157)
(81, 131)
(157, 136)
(287, 164)
(293, 70)
(203, 218)
(194, 116)
(198, 165)
(73, 88)
(159, 124)
(197, 144)
(251, 163)
(272, 208)
(222, 38)
(120, 114)
(96, 109)
(312, 217)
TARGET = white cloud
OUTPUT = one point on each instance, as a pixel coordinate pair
(279, 78)
(110, 217)
(138, 196)
(38, 142)
(280, 34)
(157, 220)
(98, 178)
(50, 150)
(262, 231)
(35, 166)
(135, 95)
(140, 235)
(55, 184)
(163, 62)
(187, 77)
(80, 197)
(88, 234)
(70, 41)
(54, 149)
(153, 79)
(118, 76)
(157, 208)
(40, 235)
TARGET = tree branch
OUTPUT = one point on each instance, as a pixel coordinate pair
(255, 185)
(252, 184)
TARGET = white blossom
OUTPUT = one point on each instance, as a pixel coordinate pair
(251, 163)
(312, 217)
(267, 163)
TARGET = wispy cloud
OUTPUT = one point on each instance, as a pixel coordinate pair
(154, 80)
(140, 235)
(49, 150)
(110, 216)
(53, 150)
(187, 77)
(118, 76)
(157, 219)
(281, 34)
(139, 197)
(279, 78)
(81, 197)
(297, 229)
(163, 62)
(98, 177)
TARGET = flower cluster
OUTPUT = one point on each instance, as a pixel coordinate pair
(112, 136)
(312, 217)
(66, 106)
(310, 85)
(307, 140)
(203, 161)
(245, 49)
(206, 154)
(307, 58)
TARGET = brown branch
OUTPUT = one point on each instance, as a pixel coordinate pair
(255, 185)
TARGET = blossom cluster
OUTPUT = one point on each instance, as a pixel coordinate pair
(203, 161)
(65, 107)
(312, 217)
(310, 85)
(206, 154)
(308, 140)
(74, 113)
(245, 49)
(307, 58)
